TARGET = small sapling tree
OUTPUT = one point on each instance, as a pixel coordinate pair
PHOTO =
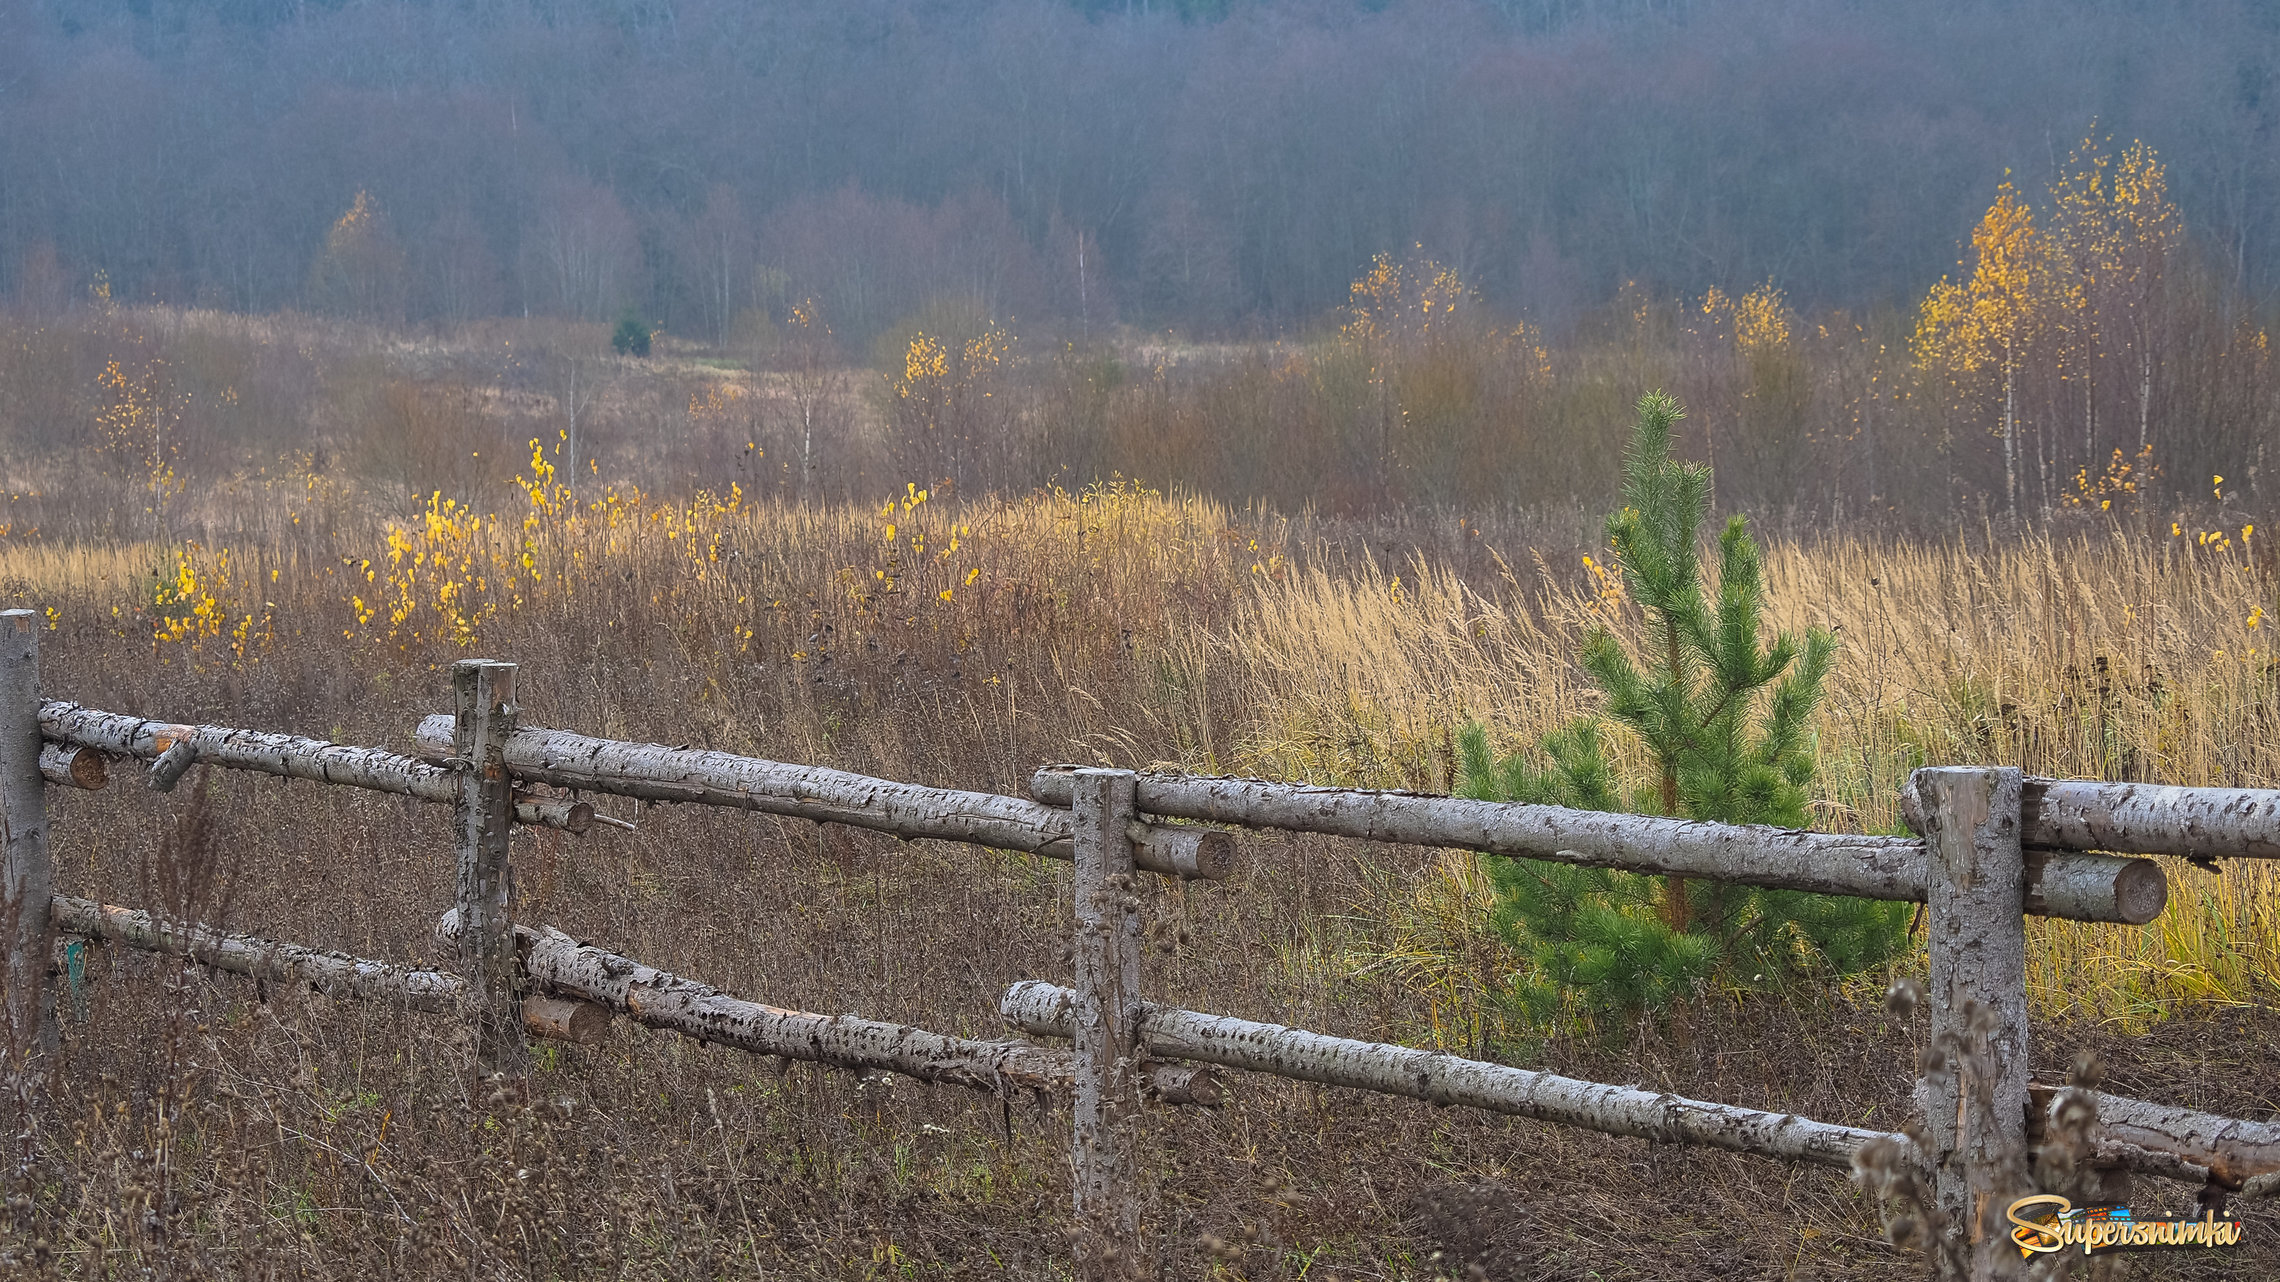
(1723, 715)
(631, 337)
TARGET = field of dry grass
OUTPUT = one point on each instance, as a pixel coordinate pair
(205, 1131)
(207, 1128)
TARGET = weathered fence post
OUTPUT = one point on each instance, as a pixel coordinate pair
(1106, 1028)
(1974, 1088)
(484, 691)
(27, 876)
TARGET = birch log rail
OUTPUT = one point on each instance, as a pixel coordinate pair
(288, 756)
(2177, 1143)
(333, 974)
(655, 772)
(2139, 818)
(2132, 1134)
(582, 980)
(2079, 887)
(653, 998)
(81, 768)
(1048, 1010)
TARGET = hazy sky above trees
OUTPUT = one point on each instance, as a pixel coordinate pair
(1208, 167)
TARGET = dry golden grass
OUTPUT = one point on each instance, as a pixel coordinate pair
(2118, 656)
(968, 644)
(1237, 646)
(206, 1127)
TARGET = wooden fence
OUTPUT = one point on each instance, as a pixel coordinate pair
(1997, 848)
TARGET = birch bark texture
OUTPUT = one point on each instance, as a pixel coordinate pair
(2077, 887)
(1106, 1027)
(484, 691)
(1974, 1089)
(659, 999)
(69, 767)
(27, 872)
(1440, 1078)
(69, 727)
(336, 975)
(2140, 818)
(656, 772)
(2173, 1143)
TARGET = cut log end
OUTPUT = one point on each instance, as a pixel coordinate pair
(73, 767)
(1194, 854)
(2086, 887)
(565, 1019)
(1190, 1084)
(573, 817)
(2141, 892)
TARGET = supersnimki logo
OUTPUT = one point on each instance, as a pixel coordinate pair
(2048, 1223)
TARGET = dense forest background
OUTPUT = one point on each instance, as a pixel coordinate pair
(1942, 262)
(1214, 168)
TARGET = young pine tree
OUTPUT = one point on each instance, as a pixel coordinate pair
(1723, 715)
(631, 337)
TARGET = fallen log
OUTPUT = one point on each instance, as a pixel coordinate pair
(1046, 1009)
(2079, 887)
(2140, 818)
(655, 772)
(289, 756)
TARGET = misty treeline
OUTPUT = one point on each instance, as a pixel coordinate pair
(1442, 248)
(1220, 168)
(2082, 360)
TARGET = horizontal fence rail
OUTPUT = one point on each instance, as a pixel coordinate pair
(1997, 846)
(2156, 1139)
(556, 963)
(284, 755)
(1438, 1078)
(2079, 887)
(2176, 1143)
(333, 974)
(655, 772)
(2139, 818)
(560, 967)
(2133, 1134)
